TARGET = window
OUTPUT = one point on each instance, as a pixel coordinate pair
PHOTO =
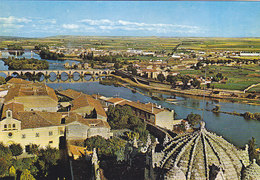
(13, 125)
(10, 135)
(63, 120)
(9, 126)
(5, 126)
(9, 114)
(50, 142)
(50, 133)
(23, 136)
(37, 135)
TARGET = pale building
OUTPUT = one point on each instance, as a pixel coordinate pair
(151, 113)
(25, 128)
(34, 96)
(78, 127)
(84, 104)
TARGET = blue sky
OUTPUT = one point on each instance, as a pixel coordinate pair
(136, 18)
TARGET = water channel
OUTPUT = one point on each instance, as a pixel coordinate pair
(235, 129)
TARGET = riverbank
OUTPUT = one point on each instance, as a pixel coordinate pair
(190, 92)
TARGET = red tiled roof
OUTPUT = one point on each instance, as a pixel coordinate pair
(32, 89)
(70, 93)
(37, 119)
(71, 117)
(150, 108)
(18, 81)
(86, 100)
(115, 100)
(14, 106)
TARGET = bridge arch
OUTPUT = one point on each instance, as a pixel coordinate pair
(39, 76)
(76, 76)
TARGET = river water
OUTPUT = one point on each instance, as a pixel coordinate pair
(53, 64)
(235, 129)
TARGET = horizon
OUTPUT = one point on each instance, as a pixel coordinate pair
(41, 19)
(56, 36)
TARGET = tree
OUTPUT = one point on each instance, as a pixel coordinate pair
(33, 149)
(117, 65)
(47, 160)
(193, 119)
(26, 175)
(172, 80)
(161, 77)
(5, 160)
(185, 80)
(16, 149)
(2, 80)
(108, 147)
(196, 83)
(134, 71)
(257, 116)
(12, 171)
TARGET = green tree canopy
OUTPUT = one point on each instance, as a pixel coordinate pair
(16, 149)
(161, 77)
(26, 175)
(193, 119)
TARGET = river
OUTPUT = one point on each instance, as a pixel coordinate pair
(235, 129)
(53, 64)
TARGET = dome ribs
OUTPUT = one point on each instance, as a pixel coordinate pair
(188, 174)
(171, 153)
(205, 155)
(225, 158)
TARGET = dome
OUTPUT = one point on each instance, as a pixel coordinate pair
(200, 153)
(252, 172)
(175, 173)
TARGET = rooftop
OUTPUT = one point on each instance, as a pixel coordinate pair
(32, 89)
(70, 93)
(199, 153)
(149, 107)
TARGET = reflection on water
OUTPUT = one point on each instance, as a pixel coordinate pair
(53, 64)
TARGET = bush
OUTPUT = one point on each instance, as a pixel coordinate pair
(16, 149)
(193, 119)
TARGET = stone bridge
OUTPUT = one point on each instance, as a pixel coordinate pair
(94, 72)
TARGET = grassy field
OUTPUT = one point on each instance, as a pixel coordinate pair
(144, 43)
(238, 79)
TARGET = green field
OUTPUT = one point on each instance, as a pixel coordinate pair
(238, 79)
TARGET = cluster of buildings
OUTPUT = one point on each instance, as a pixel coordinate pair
(33, 113)
(30, 115)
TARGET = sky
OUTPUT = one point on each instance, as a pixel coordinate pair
(130, 18)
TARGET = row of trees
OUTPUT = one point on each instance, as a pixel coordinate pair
(249, 115)
(184, 78)
(42, 165)
(24, 64)
(106, 147)
(222, 61)
(46, 54)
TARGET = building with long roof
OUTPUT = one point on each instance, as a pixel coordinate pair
(84, 104)
(34, 96)
(200, 155)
